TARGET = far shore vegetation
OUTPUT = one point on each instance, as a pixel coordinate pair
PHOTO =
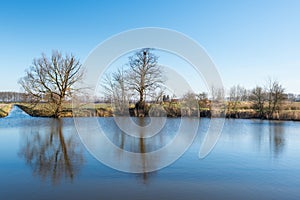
(50, 84)
(289, 110)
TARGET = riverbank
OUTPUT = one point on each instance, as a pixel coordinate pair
(5, 109)
(289, 111)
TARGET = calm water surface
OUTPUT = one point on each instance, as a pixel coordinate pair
(44, 158)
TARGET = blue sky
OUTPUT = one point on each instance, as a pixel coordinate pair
(249, 41)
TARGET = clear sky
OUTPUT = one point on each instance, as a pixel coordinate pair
(249, 41)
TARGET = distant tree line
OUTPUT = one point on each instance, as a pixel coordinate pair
(10, 97)
(266, 100)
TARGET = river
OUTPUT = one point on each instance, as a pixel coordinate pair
(42, 158)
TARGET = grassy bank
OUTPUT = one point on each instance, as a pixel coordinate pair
(5, 109)
(244, 110)
(86, 110)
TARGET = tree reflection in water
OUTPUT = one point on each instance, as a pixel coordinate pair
(270, 134)
(138, 145)
(276, 137)
(51, 153)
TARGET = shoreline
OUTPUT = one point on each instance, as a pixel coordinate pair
(107, 112)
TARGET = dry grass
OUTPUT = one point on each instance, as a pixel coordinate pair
(289, 111)
(82, 110)
(5, 109)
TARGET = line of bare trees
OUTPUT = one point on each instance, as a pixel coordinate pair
(143, 77)
(266, 100)
(53, 80)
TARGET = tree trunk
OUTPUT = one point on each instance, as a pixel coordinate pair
(141, 96)
(58, 109)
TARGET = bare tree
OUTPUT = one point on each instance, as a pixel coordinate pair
(190, 104)
(267, 100)
(117, 91)
(275, 96)
(217, 94)
(52, 79)
(144, 75)
(237, 94)
(258, 97)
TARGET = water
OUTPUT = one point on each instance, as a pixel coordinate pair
(16, 112)
(43, 158)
